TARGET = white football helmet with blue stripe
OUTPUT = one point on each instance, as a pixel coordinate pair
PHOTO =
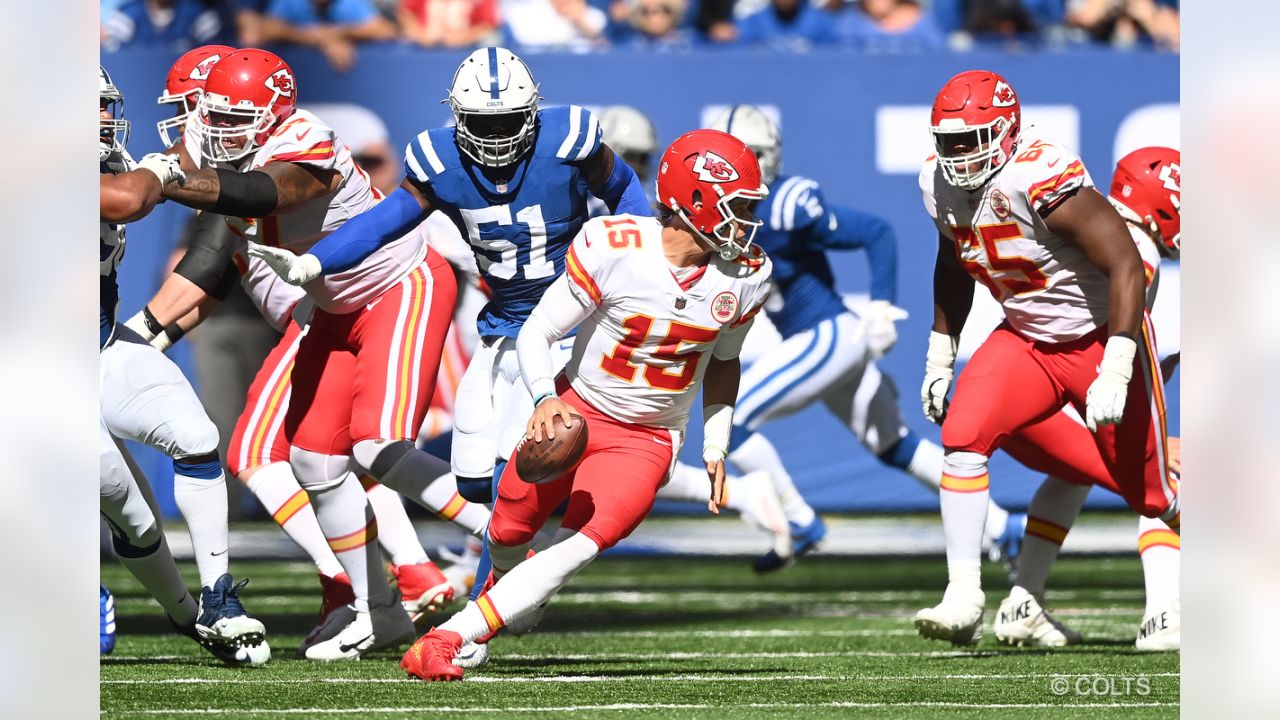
(750, 125)
(495, 105)
(113, 131)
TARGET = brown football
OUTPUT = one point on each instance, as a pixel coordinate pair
(543, 462)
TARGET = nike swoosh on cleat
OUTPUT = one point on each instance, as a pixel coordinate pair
(353, 646)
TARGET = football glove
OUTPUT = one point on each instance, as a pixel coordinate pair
(295, 269)
(939, 368)
(166, 167)
(879, 317)
(1104, 403)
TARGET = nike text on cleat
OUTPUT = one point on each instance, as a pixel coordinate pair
(1022, 621)
(431, 657)
(423, 587)
(223, 619)
(1161, 630)
(957, 619)
(384, 626)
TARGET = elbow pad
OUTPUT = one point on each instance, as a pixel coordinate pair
(246, 195)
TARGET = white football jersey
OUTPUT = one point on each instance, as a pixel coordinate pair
(641, 354)
(1048, 288)
(305, 139)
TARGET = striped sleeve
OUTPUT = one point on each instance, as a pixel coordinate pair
(582, 136)
(581, 268)
(1071, 176)
(301, 141)
(421, 161)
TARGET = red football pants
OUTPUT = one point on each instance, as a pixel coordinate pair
(610, 491)
(369, 374)
(1013, 384)
(259, 436)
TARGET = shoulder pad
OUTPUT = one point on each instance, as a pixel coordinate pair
(430, 155)
(569, 133)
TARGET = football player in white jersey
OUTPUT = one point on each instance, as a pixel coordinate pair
(1024, 219)
(1146, 191)
(145, 398)
(660, 305)
(259, 451)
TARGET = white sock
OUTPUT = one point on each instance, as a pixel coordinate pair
(1161, 551)
(348, 522)
(395, 529)
(964, 495)
(279, 492)
(757, 453)
(203, 503)
(529, 585)
(997, 519)
(687, 484)
(441, 497)
(159, 574)
(926, 464)
(1054, 509)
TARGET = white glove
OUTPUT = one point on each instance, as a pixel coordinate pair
(1104, 403)
(879, 317)
(295, 269)
(166, 167)
(138, 324)
(939, 368)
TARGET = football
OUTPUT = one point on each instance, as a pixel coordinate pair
(546, 461)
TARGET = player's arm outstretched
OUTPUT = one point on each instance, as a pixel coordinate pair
(1088, 220)
(559, 311)
(131, 195)
(274, 189)
(952, 300)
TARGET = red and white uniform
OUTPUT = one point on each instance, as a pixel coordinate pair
(644, 341)
(305, 139)
(1045, 354)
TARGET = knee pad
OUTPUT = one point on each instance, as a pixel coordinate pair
(964, 464)
(317, 472)
(376, 457)
(207, 466)
(193, 435)
(476, 489)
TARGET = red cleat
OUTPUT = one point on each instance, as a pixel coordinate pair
(431, 657)
(335, 592)
(423, 588)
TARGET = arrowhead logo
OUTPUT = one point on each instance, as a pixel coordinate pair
(710, 167)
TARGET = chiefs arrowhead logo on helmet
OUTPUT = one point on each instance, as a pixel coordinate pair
(201, 71)
(710, 167)
(1171, 177)
(1003, 95)
(281, 81)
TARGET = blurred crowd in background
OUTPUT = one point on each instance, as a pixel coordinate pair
(337, 27)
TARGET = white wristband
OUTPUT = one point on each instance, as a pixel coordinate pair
(942, 350)
(1117, 358)
(716, 428)
(139, 325)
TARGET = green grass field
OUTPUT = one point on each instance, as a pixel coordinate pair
(679, 638)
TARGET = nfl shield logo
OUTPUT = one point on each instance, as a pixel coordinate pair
(502, 187)
(680, 303)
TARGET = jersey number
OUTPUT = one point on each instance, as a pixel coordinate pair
(619, 364)
(506, 266)
(968, 243)
(623, 233)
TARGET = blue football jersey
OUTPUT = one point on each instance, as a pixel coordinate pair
(520, 229)
(793, 214)
(110, 253)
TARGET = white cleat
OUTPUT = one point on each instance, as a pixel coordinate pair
(332, 624)
(761, 508)
(384, 626)
(1021, 621)
(1161, 630)
(957, 619)
(472, 655)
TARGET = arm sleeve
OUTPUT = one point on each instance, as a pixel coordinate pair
(849, 229)
(363, 234)
(208, 258)
(559, 311)
(622, 191)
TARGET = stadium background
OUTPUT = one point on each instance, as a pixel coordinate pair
(856, 123)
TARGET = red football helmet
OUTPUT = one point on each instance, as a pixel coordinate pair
(184, 83)
(246, 95)
(1148, 183)
(708, 164)
(975, 123)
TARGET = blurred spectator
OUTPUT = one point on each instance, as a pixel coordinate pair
(656, 24)
(999, 20)
(714, 19)
(888, 26)
(366, 135)
(788, 25)
(1125, 23)
(448, 23)
(178, 25)
(331, 26)
(554, 24)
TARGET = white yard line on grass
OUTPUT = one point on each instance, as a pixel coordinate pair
(436, 709)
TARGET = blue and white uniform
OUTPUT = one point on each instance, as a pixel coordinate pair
(824, 353)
